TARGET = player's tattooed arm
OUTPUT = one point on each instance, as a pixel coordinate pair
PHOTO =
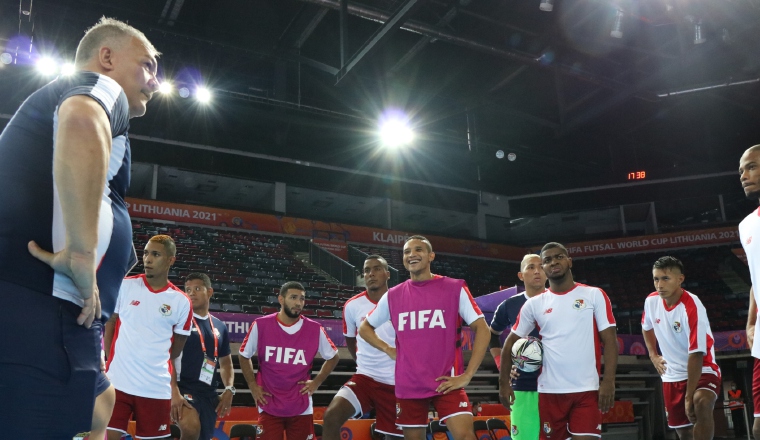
(367, 332)
(751, 318)
(651, 342)
(110, 329)
(607, 386)
(506, 393)
(310, 386)
(259, 394)
(351, 346)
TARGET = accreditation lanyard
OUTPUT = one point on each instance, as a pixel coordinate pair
(213, 333)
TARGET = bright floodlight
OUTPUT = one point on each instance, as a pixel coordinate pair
(165, 88)
(395, 132)
(203, 95)
(47, 66)
(67, 69)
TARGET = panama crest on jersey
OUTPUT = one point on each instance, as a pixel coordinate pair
(579, 304)
(514, 430)
(677, 327)
(165, 309)
(547, 428)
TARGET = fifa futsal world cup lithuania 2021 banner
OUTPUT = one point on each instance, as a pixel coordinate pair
(335, 237)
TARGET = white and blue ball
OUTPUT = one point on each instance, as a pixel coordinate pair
(528, 354)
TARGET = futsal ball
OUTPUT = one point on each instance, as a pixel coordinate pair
(528, 354)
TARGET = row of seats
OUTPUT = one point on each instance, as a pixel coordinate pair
(247, 269)
(627, 280)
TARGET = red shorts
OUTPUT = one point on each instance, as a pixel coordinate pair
(674, 394)
(565, 415)
(756, 387)
(366, 393)
(152, 416)
(413, 413)
(296, 427)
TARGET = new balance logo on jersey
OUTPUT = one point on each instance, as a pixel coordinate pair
(421, 319)
(657, 321)
(749, 240)
(285, 355)
(549, 310)
(463, 404)
(163, 427)
(134, 303)
(712, 385)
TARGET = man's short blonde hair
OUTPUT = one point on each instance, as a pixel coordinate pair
(108, 31)
(527, 258)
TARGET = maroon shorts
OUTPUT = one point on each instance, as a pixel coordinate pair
(366, 393)
(674, 394)
(565, 415)
(152, 416)
(756, 387)
(296, 427)
(413, 413)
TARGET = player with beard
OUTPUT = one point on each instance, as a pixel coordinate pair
(286, 344)
(749, 176)
(373, 384)
(571, 318)
(524, 420)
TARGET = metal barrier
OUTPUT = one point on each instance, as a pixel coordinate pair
(332, 264)
(728, 410)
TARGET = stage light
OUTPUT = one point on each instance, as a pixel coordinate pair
(68, 69)
(184, 92)
(546, 5)
(165, 88)
(395, 131)
(47, 66)
(500, 154)
(203, 95)
(617, 28)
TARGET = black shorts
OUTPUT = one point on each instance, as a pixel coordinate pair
(49, 366)
(205, 403)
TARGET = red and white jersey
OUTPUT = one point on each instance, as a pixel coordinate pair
(680, 330)
(749, 234)
(148, 319)
(369, 360)
(569, 324)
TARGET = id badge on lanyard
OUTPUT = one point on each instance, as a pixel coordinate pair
(207, 370)
(209, 365)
